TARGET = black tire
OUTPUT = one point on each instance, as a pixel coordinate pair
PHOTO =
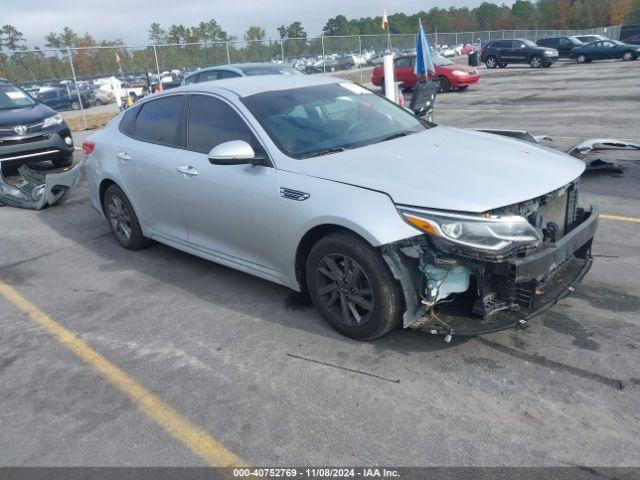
(502, 64)
(382, 84)
(114, 197)
(628, 56)
(536, 61)
(547, 65)
(491, 61)
(443, 84)
(379, 311)
(75, 105)
(63, 162)
(582, 58)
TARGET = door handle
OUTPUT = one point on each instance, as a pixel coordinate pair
(123, 155)
(187, 170)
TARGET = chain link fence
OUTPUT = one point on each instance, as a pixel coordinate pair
(118, 73)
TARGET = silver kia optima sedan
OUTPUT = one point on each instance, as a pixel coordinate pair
(323, 186)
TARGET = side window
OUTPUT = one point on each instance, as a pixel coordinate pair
(516, 44)
(403, 62)
(158, 120)
(565, 42)
(226, 74)
(208, 76)
(545, 42)
(191, 79)
(212, 122)
(128, 122)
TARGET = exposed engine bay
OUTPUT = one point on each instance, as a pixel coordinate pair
(456, 288)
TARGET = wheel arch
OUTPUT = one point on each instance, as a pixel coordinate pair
(309, 239)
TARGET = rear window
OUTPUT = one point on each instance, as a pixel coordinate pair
(128, 122)
(158, 121)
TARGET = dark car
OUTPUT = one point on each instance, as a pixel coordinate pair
(563, 45)
(31, 131)
(238, 70)
(589, 38)
(605, 50)
(500, 53)
(63, 99)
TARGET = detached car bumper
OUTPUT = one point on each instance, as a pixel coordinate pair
(36, 147)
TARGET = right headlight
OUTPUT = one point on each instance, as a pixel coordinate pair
(489, 233)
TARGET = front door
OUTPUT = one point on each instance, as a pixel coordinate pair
(404, 72)
(229, 209)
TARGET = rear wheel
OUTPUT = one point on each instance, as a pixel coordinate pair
(503, 64)
(582, 58)
(628, 56)
(75, 105)
(536, 61)
(491, 61)
(461, 88)
(352, 287)
(444, 85)
(123, 220)
(382, 84)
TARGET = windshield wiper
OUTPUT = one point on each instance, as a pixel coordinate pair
(396, 135)
(325, 152)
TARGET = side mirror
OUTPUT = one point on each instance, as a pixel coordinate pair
(235, 152)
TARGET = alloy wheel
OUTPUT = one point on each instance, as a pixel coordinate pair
(491, 62)
(119, 218)
(344, 289)
(627, 56)
(536, 62)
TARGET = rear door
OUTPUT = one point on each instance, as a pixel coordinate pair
(146, 160)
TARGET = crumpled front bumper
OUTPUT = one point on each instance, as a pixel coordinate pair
(37, 189)
(504, 293)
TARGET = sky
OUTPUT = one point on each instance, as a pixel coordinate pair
(130, 19)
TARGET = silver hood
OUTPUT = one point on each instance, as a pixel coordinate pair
(450, 169)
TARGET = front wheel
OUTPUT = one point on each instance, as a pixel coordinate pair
(536, 61)
(581, 58)
(502, 64)
(123, 220)
(444, 85)
(352, 287)
(628, 56)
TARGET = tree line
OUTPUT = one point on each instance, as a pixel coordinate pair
(187, 50)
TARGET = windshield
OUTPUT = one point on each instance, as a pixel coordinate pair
(529, 43)
(251, 71)
(323, 119)
(13, 97)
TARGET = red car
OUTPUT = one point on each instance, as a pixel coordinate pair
(451, 75)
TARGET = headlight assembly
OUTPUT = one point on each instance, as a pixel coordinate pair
(53, 120)
(491, 234)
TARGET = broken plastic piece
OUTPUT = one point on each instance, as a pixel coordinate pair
(37, 190)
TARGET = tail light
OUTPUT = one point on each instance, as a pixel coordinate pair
(87, 147)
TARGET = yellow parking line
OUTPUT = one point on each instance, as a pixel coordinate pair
(619, 218)
(195, 438)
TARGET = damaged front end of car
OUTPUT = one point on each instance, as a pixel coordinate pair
(472, 274)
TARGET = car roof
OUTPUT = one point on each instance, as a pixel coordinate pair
(246, 86)
(239, 67)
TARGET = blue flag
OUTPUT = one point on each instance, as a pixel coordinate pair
(424, 62)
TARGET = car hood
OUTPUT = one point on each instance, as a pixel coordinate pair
(28, 115)
(450, 169)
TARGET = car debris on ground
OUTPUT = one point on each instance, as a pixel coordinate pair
(582, 151)
(35, 189)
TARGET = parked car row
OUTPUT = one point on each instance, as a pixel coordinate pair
(546, 51)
